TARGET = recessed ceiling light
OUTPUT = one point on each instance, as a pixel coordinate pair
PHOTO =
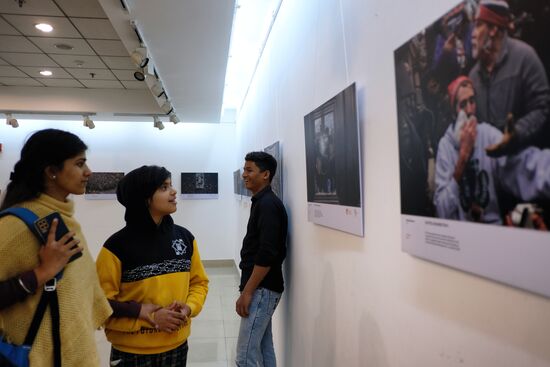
(44, 27)
(63, 46)
(46, 73)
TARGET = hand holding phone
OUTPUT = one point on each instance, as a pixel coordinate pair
(53, 228)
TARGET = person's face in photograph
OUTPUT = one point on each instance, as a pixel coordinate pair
(466, 101)
(254, 179)
(480, 39)
(163, 202)
(72, 179)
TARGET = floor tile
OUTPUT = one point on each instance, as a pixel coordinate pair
(207, 349)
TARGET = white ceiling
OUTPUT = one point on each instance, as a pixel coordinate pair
(188, 41)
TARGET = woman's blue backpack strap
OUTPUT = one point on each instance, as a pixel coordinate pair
(26, 215)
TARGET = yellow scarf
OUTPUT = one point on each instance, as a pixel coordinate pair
(82, 304)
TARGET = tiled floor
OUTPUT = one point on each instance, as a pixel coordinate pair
(214, 331)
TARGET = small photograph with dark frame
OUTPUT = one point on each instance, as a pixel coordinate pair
(237, 183)
(333, 164)
(199, 185)
(102, 185)
(277, 182)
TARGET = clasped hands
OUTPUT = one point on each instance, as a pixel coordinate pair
(169, 318)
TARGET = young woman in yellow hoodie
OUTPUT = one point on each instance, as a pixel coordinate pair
(152, 274)
(52, 166)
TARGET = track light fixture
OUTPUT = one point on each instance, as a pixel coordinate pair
(88, 122)
(139, 57)
(157, 89)
(138, 74)
(10, 120)
(157, 123)
(174, 118)
(167, 107)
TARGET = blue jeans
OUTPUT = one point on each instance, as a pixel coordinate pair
(255, 342)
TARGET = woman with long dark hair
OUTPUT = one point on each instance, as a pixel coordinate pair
(52, 166)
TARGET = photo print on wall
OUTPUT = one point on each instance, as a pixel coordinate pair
(102, 185)
(199, 185)
(277, 182)
(474, 137)
(333, 164)
(237, 183)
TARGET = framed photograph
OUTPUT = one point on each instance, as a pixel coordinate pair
(474, 139)
(277, 182)
(333, 164)
(199, 185)
(237, 183)
(102, 185)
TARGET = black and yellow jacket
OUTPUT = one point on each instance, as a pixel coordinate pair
(146, 263)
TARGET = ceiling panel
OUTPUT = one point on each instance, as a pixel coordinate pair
(27, 59)
(176, 34)
(95, 28)
(42, 7)
(11, 71)
(17, 44)
(116, 62)
(62, 28)
(98, 74)
(134, 84)
(125, 75)
(28, 82)
(65, 83)
(5, 28)
(34, 72)
(108, 47)
(48, 45)
(82, 8)
(110, 84)
(72, 61)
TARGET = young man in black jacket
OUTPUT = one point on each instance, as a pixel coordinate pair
(262, 255)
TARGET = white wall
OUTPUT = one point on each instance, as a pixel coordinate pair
(354, 301)
(123, 146)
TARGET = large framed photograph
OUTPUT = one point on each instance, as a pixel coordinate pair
(199, 185)
(277, 182)
(333, 164)
(102, 185)
(473, 107)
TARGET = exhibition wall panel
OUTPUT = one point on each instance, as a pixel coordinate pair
(353, 301)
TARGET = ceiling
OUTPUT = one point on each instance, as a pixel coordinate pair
(88, 53)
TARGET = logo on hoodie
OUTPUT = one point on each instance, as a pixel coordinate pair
(179, 246)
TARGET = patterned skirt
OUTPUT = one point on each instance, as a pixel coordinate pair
(173, 358)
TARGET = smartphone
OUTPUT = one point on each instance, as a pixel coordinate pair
(43, 225)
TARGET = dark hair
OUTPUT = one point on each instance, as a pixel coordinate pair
(45, 148)
(264, 161)
(140, 184)
(136, 187)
